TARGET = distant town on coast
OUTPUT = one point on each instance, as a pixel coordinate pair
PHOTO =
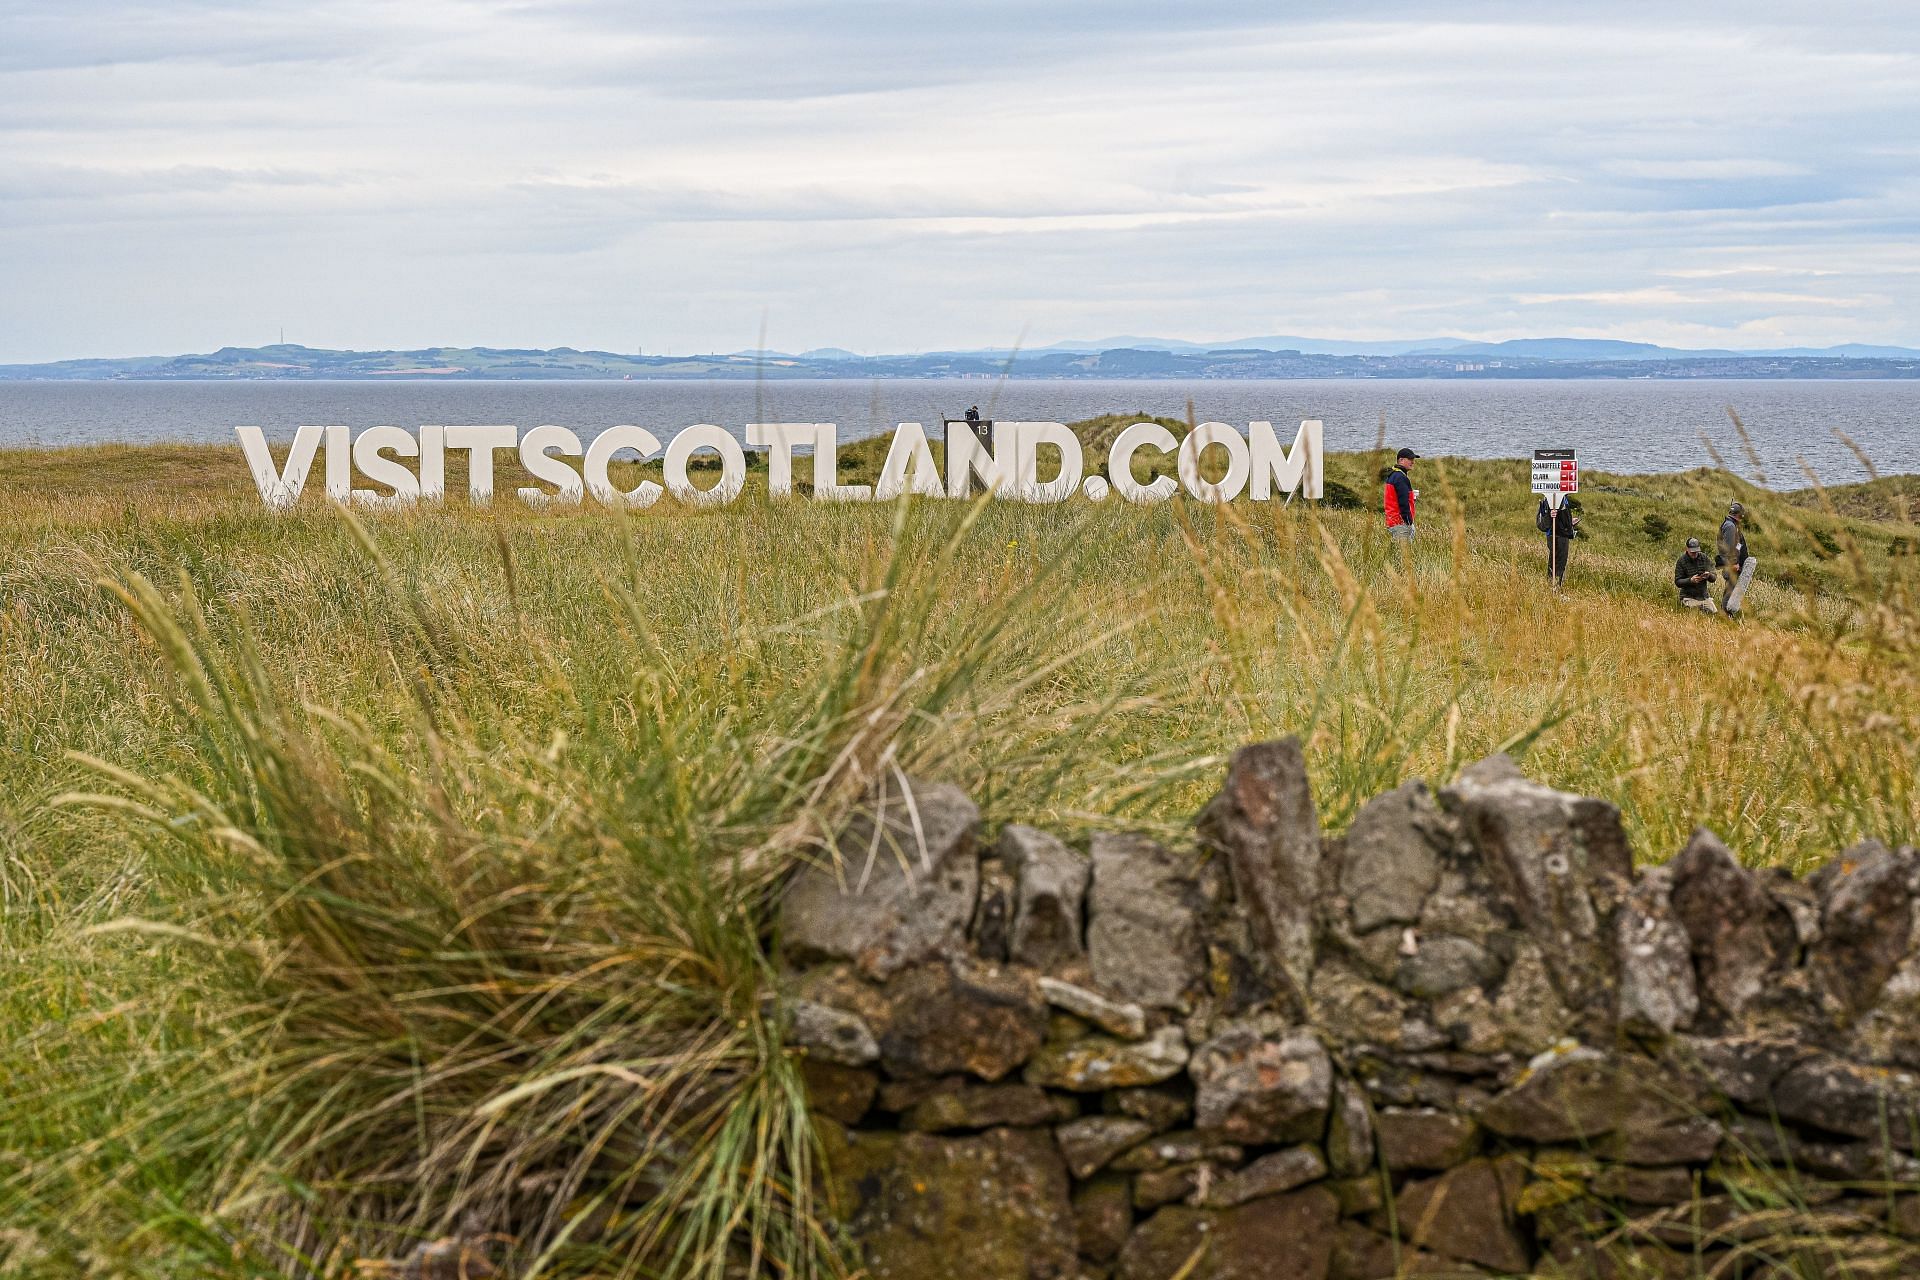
(1126, 357)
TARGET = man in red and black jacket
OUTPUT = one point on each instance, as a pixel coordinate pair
(1397, 496)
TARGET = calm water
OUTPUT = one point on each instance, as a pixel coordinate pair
(1616, 425)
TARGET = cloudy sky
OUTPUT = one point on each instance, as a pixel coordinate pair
(888, 176)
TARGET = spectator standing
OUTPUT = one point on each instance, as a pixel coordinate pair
(1397, 495)
(1561, 527)
(1735, 559)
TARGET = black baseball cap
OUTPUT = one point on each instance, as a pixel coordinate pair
(1405, 453)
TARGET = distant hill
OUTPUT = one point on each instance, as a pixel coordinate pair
(1268, 357)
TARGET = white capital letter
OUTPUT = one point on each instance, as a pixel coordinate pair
(533, 456)
(826, 469)
(1211, 433)
(967, 457)
(733, 465)
(600, 453)
(380, 469)
(1028, 437)
(280, 489)
(909, 466)
(778, 439)
(1141, 435)
(480, 442)
(1276, 470)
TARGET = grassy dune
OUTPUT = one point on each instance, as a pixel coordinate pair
(357, 872)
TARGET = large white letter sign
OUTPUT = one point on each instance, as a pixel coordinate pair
(339, 465)
(368, 455)
(1027, 439)
(1141, 435)
(1198, 439)
(909, 466)
(480, 442)
(433, 463)
(967, 457)
(1274, 468)
(533, 456)
(280, 488)
(733, 465)
(600, 453)
(778, 439)
(826, 469)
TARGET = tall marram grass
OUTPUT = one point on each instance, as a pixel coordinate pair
(409, 981)
(417, 874)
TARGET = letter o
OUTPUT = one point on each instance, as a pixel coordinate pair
(733, 465)
(1239, 465)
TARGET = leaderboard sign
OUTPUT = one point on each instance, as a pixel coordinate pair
(1555, 472)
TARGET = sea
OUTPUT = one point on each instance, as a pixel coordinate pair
(1794, 428)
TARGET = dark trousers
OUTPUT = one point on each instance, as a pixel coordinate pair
(1559, 553)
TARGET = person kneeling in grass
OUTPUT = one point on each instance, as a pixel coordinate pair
(1692, 574)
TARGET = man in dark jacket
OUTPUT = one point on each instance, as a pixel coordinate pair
(1396, 497)
(1735, 559)
(1692, 573)
(1561, 526)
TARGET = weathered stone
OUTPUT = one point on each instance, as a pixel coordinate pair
(1094, 1063)
(1360, 1011)
(1269, 1175)
(965, 1105)
(1143, 921)
(1579, 1258)
(1424, 1139)
(1189, 1182)
(1847, 1097)
(948, 1018)
(1668, 1186)
(845, 1093)
(1647, 1136)
(1103, 1217)
(1358, 1196)
(1177, 1148)
(1050, 887)
(1741, 938)
(1162, 1106)
(992, 1206)
(1567, 1095)
(1388, 865)
(1563, 863)
(1433, 966)
(1262, 1088)
(1657, 991)
(1090, 1142)
(1744, 1068)
(828, 1034)
(1122, 1018)
(1263, 821)
(1465, 1213)
(1866, 922)
(992, 926)
(900, 889)
(1363, 1254)
(1350, 1144)
(1287, 1236)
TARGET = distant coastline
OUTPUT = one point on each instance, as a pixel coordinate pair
(1522, 359)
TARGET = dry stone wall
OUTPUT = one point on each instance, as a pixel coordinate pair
(1465, 1038)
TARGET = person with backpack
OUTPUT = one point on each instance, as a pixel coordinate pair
(1734, 557)
(1396, 497)
(1692, 574)
(1561, 527)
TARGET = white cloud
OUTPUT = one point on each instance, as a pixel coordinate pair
(875, 175)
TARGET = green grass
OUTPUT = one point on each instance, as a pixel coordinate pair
(364, 876)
